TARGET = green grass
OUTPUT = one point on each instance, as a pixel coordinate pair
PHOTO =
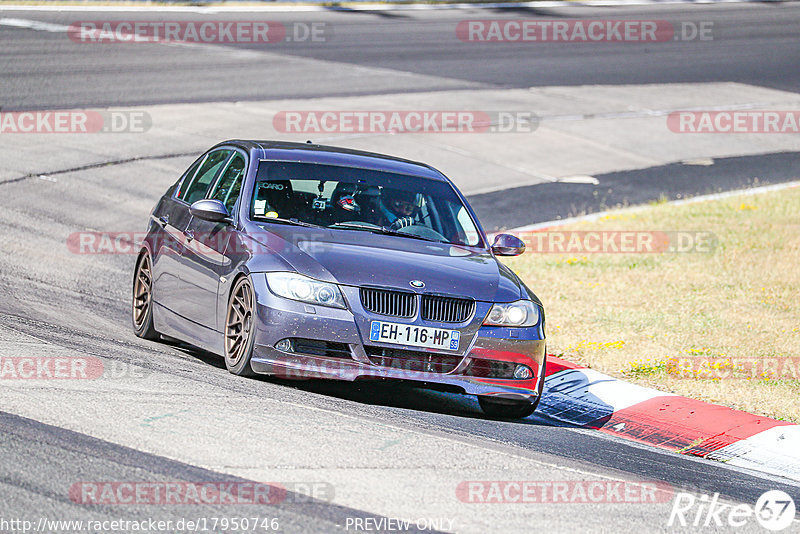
(629, 315)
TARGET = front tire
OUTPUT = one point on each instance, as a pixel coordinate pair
(142, 299)
(499, 408)
(240, 329)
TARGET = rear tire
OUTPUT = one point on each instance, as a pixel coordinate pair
(240, 328)
(499, 408)
(142, 299)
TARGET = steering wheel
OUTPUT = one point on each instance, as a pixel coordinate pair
(402, 222)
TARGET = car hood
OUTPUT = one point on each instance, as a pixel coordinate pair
(358, 258)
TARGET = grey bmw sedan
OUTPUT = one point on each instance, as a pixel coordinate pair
(309, 261)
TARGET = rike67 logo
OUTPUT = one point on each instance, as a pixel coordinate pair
(774, 510)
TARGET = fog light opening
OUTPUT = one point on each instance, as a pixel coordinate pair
(284, 345)
(523, 372)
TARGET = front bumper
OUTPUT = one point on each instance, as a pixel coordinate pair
(279, 319)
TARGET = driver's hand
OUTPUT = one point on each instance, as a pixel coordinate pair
(402, 222)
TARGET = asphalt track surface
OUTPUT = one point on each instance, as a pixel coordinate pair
(519, 206)
(37, 477)
(80, 304)
(752, 43)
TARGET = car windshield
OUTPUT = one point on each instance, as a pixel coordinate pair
(356, 199)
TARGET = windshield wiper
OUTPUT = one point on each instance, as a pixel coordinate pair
(380, 230)
(296, 222)
(355, 226)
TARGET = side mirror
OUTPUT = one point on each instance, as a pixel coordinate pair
(210, 209)
(508, 245)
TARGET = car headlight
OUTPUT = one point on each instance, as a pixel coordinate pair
(295, 286)
(519, 313)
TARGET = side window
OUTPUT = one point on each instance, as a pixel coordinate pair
(187, 177)
(230, 182)
(205, 175)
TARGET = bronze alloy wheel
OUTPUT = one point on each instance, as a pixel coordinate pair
(239, 328)
(142, 309)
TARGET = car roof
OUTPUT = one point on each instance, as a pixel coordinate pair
(331, 155)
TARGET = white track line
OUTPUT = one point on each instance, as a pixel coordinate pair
(33, 25)
(365, 7)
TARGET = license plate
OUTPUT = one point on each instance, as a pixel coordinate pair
(416, 336)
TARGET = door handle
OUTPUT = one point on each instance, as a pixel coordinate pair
(163, 221)
(189, 236)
